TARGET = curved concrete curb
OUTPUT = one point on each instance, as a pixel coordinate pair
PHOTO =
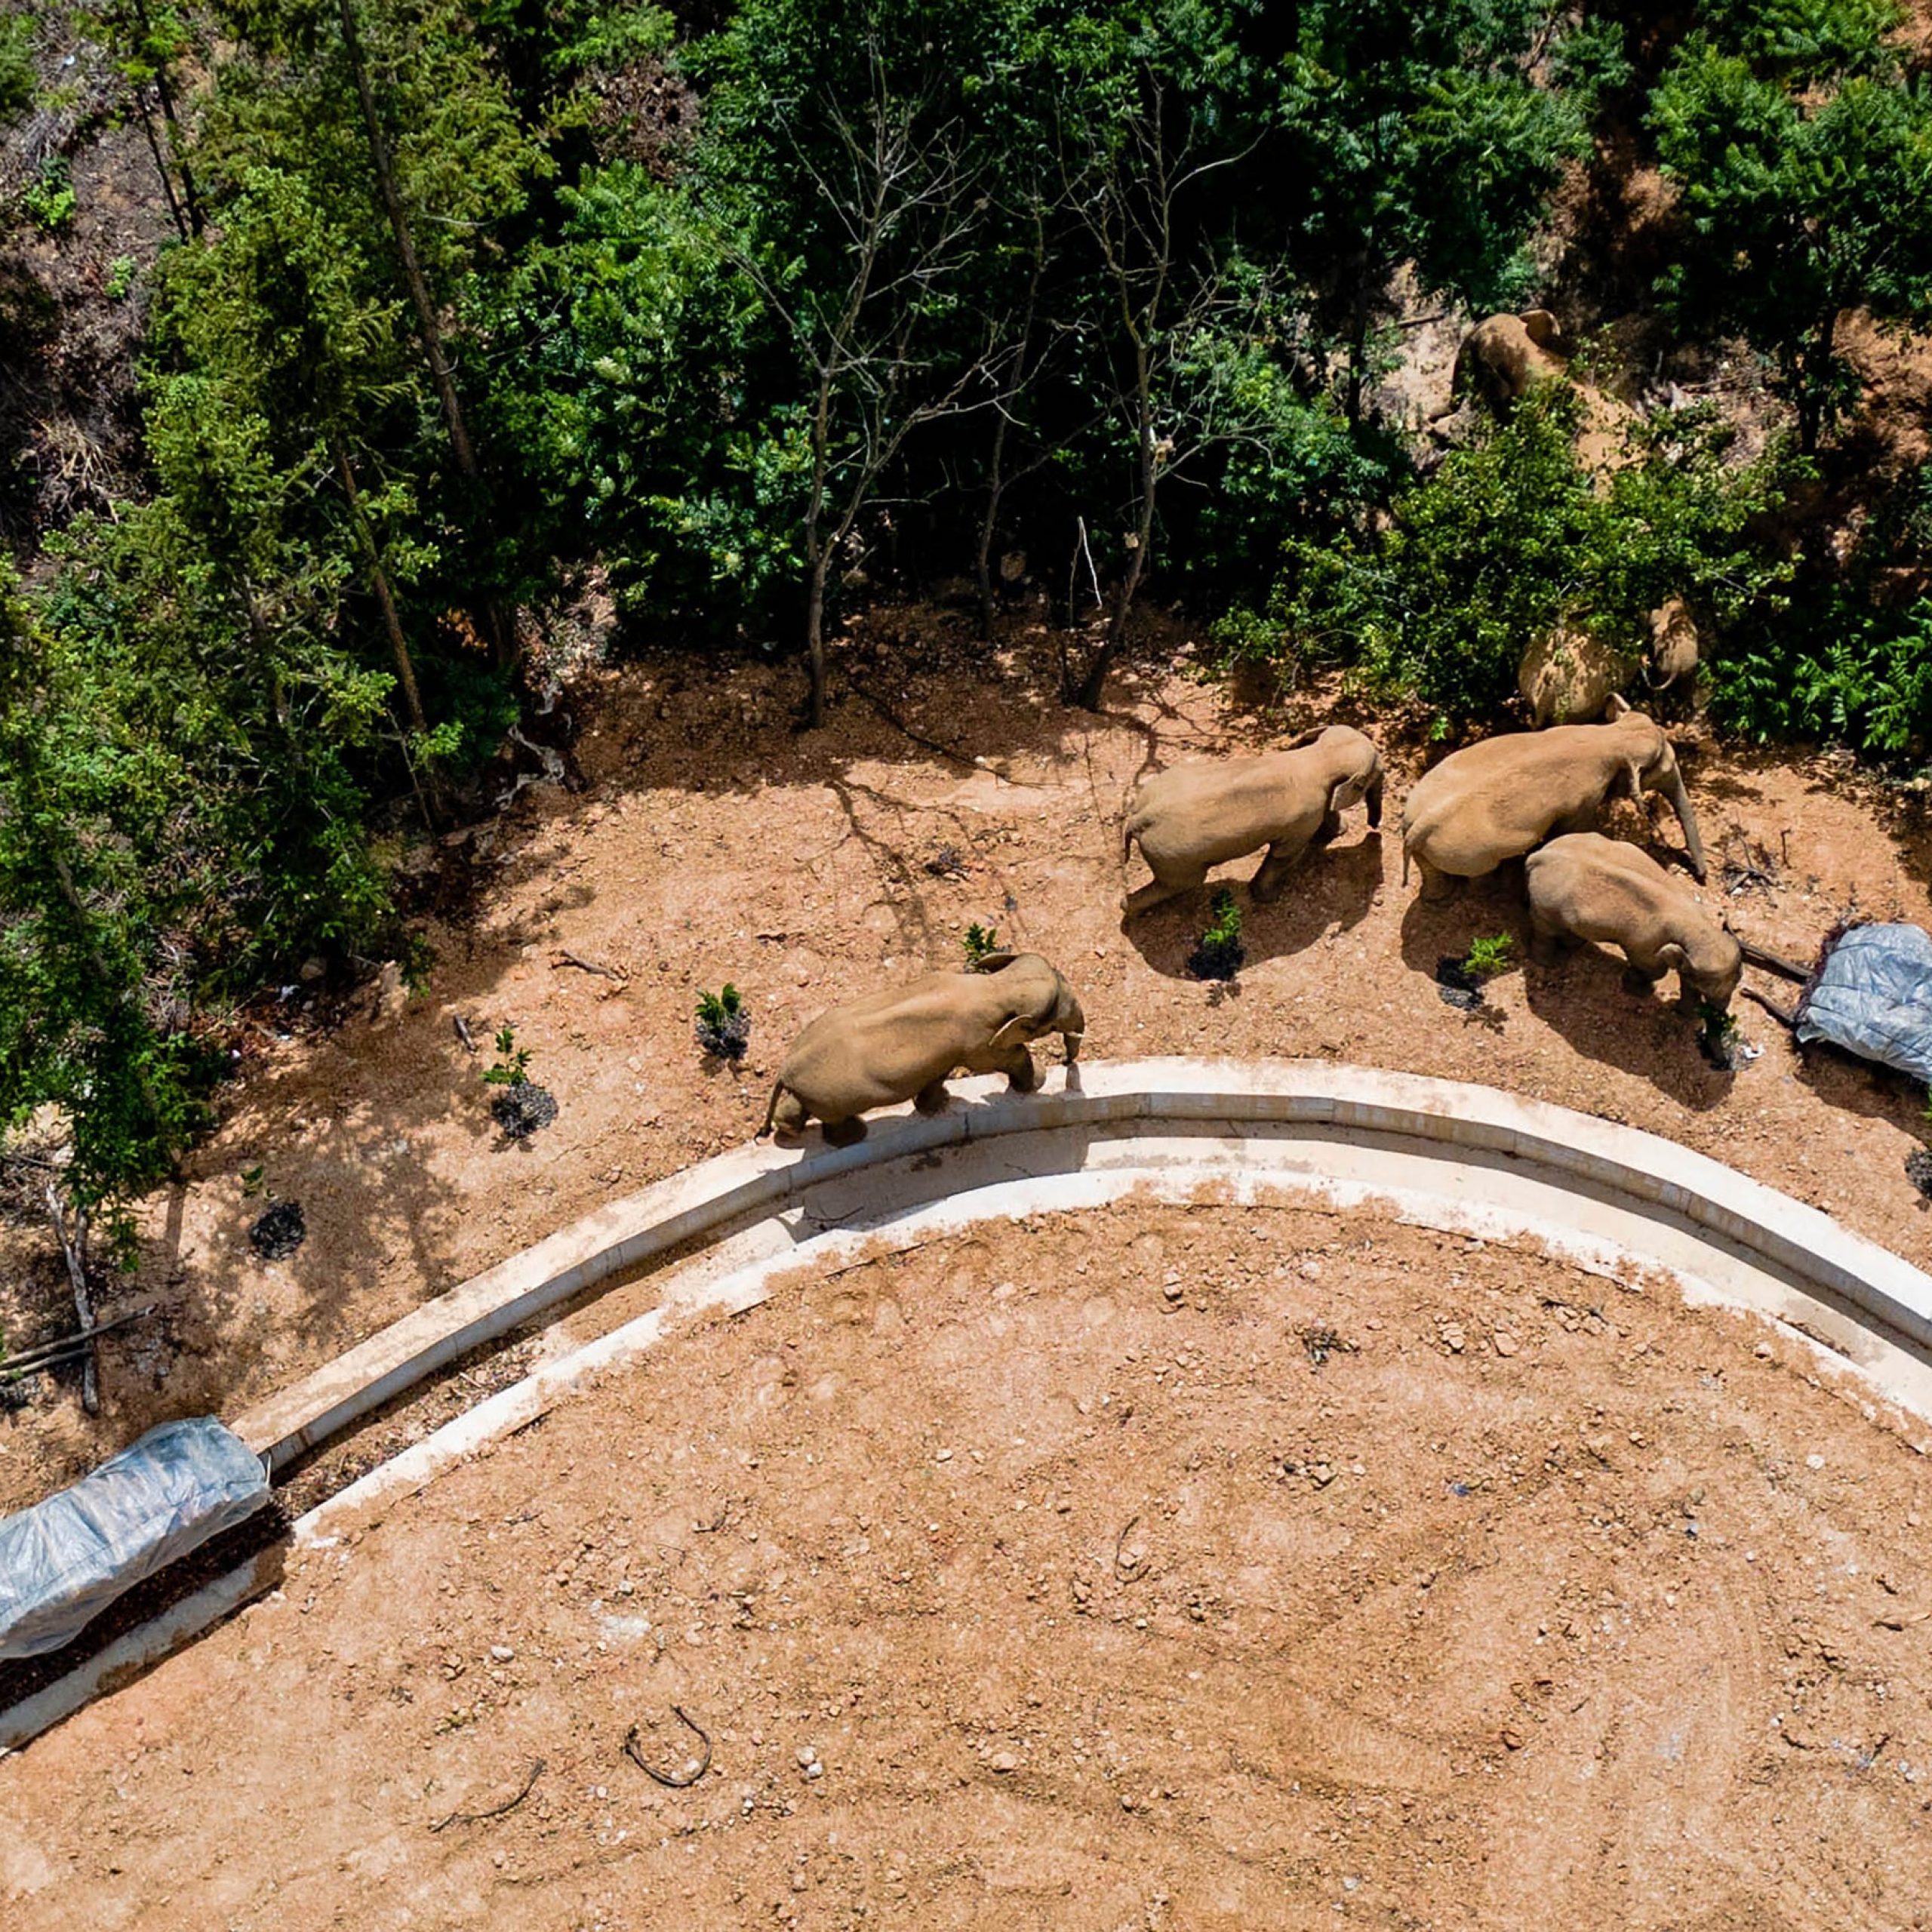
(1479, 1123)
(1440, 1153)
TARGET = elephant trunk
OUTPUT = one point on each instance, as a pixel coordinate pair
(1373, 797)
(1070, 1023)
(1680, 803)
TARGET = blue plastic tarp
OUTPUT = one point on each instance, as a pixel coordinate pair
(64, 1560)
(1873, 996)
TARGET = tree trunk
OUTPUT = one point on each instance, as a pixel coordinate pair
(160, 166)
(982, 573)
(500, 632)
(815, 641)
(178, 145)
(405, 247)
(405, 669)
(1137, 561)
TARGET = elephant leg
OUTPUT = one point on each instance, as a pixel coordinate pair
(788, 1116)
(1585, 818)
(1640, 980)
(846, 1132)
(1436, 886)
(1158, 891)
(1022, 1075)
(1547, 945)
(932, 1097)
(1272, 875)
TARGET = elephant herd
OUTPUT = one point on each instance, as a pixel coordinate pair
(1535, 795)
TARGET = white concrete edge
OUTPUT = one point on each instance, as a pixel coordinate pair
(1639, 1166)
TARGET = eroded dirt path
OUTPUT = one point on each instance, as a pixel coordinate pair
(715, 844)
(1151, 1567)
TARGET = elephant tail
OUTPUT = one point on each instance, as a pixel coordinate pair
(770, 1111)
(1130, 829)
(1405, 862)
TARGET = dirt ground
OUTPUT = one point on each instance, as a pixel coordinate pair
(713, 843)
(1156, 1567)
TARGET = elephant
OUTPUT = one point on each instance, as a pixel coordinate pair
(1503, 798)
(1504, 356)
(1674, 647)
(1196, 815)
(1568, 674)
(901, 1043)
(1585, 886)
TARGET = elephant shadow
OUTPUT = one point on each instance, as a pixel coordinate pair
(1583, 996)
(1332, 889)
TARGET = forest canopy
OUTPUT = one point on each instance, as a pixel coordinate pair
(753, 311)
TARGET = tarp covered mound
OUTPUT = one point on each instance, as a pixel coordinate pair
(64, 1560)
(1872, 994)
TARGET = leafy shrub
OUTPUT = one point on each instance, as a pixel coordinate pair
(1488, 956)
(50, 201)
(1510, 537)
(121, 277)
(512, 1062)
(723, 1027)
(980, 940)
(1219, 955)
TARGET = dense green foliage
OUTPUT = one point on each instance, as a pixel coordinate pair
(1514, 535)
(468, 297)
(1803, 160)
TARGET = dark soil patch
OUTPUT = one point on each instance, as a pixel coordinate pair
(279, 1232)
(521, 1109)
(22, 1676)
(1217, 958)
(728, 1039)
(1458, 986)
(1918, 1170)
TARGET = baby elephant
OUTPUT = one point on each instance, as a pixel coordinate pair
(1585, 886)
(901, 1044)
(1198, 814)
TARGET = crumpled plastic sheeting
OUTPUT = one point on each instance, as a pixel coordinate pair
(65, 1560)
(1873, 997)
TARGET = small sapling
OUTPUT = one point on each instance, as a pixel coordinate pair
(980, 940)
(723, 1028)
(1219, 955)
(523, 1106)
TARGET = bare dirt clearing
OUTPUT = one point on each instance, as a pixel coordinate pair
(1154, 1566)
(714, 844)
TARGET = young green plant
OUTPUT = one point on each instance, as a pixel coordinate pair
(723, 1027)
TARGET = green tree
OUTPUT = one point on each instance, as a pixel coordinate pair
(1805, 182)
(1428, 136)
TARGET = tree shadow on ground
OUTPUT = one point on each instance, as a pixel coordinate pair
(1330, 891)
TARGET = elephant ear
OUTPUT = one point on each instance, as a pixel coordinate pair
(992, 962)
(1671, 956)
(1304, 739)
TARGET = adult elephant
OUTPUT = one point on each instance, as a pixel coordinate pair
(901, 1043)
(1501, 798)
(1208, 810)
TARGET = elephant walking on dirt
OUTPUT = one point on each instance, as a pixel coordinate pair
(1587, 886)
(1501, 798)
(903, 1043)
(1211, 810)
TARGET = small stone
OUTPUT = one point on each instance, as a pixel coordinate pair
(1505, 1342)
(1814, 1461)
(502, 1653)
(1512, 1738)
(806, 1755)
(1173, 1290)
(1763, 1351)
(1003, 1762)
(814, 1770)
(1453, 1338)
